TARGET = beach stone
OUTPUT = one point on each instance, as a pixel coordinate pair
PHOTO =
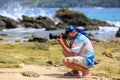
(30, 74)
(107, 54)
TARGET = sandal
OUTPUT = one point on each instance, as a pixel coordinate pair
(71, 73)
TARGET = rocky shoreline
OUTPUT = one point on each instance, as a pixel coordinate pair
(66, 17)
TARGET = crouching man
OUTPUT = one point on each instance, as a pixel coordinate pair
(78, 52)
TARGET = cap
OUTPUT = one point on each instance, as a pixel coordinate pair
(71, 28)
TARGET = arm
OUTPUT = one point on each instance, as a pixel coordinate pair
(64, 45)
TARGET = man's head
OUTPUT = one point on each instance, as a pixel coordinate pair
(71, 32)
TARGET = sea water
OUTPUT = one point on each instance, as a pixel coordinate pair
(110, 15)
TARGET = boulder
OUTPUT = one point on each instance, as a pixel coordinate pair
(9, 23)
(72, 17)
(37, 39)
(2, 25)
(99, 23)
(90, 27)
(45, 22)
(118, 33)
(39, 22)
(76, 18)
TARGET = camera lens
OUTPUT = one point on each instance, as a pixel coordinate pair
(51, 36)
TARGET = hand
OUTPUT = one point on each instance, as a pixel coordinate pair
(60, 40)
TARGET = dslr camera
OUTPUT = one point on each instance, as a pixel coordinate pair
(52, 36)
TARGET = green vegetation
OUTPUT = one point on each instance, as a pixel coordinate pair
(66, 3)
(106, 54)
(34, 53)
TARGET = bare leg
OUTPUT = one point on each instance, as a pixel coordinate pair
(76, 67)
(65, 53)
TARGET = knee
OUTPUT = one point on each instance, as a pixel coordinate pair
(65, 61)
(64, 53)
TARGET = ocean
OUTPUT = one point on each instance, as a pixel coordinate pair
(110, 15)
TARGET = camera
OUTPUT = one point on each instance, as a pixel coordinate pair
(51, 36)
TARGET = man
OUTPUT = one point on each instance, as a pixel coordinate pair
(79, 53)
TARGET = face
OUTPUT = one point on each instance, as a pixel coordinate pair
(71, 35)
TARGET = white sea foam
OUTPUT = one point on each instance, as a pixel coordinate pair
(23, 30)
(117, 23)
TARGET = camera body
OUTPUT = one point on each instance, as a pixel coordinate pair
(51, 36)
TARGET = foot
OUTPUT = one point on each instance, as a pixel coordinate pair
(85, 73)
(72, 73)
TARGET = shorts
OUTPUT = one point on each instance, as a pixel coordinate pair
(77, 60)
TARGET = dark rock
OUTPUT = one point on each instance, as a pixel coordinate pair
(2, 25)
(90, 27)
(107, 54)
(50, 62)
(96, 22)
(2, 34)
(39, 22)
(28, 24)
(37, 39)
(9, 23)
(61, 25)
(118, 33)
(76, 18)
(96, 62)
(45, 22)
(71, 17)
(27, 19)
(51, 28)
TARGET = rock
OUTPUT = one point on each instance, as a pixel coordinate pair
(39, 22)
(30, 74)
(28, 24)
(37, 39)
(27, 19)
(118, 33)
(8, 22)
(97, 62)
(50, 62)
(71, 17)
(90, 27)
(45, 22)
(61, 25)
(2, 25)
(76, 18)
(107, 54)
(96, 22)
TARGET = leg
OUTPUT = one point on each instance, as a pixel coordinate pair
(76, 67)
(65, 53)
(75, 72)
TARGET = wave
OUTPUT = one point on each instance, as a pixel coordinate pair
(23, 30)
(117, 23)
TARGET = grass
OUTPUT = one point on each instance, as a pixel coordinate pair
(11, 55)
(32, 53)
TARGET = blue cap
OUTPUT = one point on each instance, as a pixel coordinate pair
(71, 28)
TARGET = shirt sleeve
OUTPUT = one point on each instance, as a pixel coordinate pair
(76, 47)
(78, 43)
